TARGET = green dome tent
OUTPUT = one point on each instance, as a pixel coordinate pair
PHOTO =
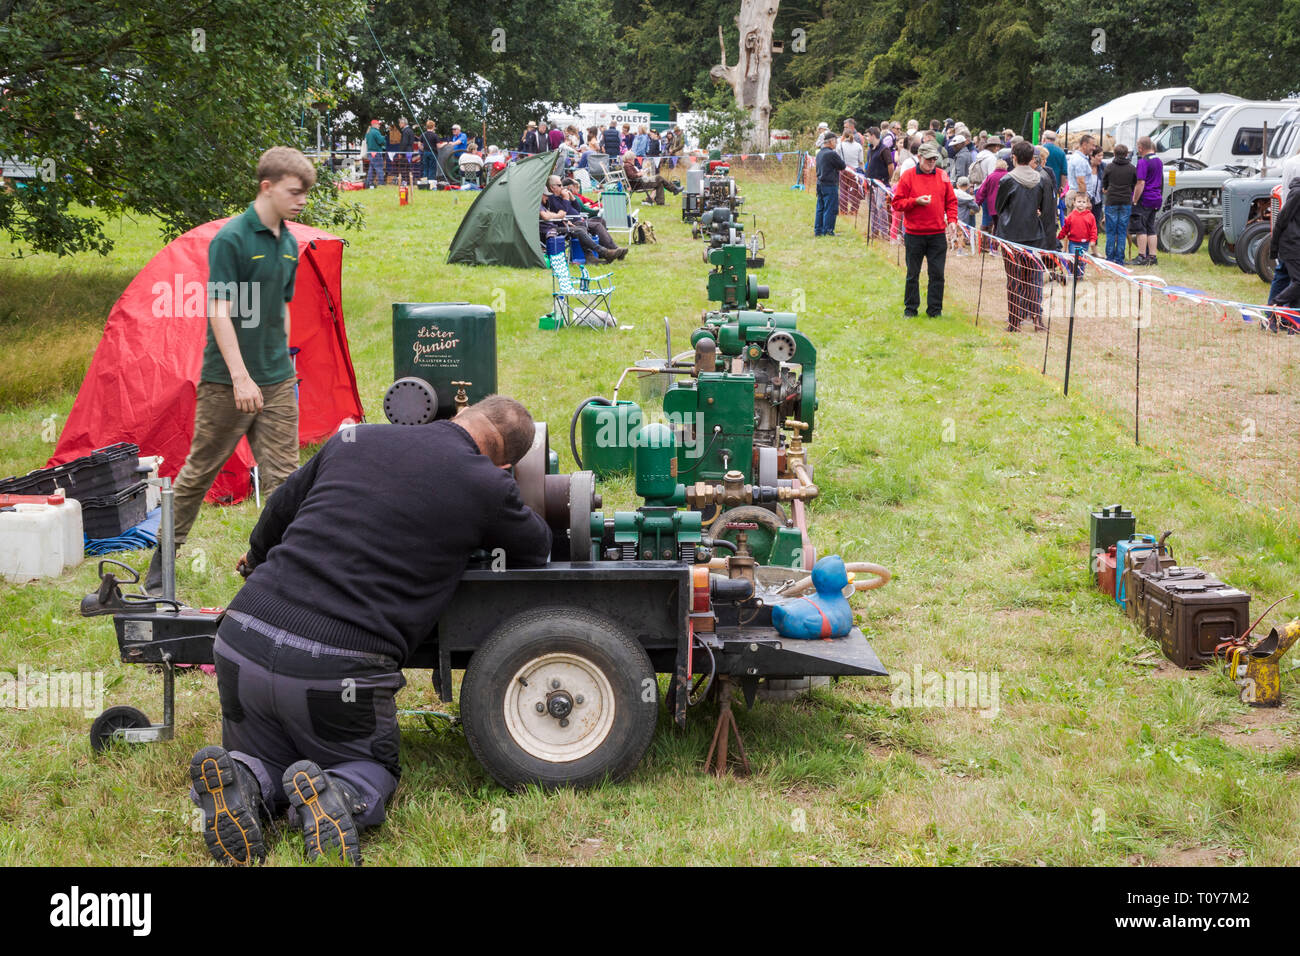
(500, 228)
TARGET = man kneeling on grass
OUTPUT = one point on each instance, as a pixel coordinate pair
(351, 564)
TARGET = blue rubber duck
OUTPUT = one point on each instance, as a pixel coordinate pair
(824, 614)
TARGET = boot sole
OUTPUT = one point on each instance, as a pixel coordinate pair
(230, 826)
(331, 831)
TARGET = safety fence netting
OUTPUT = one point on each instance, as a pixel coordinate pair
(1207, 381)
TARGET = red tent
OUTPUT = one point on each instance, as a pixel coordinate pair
(142, 381)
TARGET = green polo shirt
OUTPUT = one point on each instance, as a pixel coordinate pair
(254, 271)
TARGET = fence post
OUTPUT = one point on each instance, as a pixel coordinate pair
(1137, 380)
(1048, 276)
(979, 296)
(1069, 336)
(871, 203)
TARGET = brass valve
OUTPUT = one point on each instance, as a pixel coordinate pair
(461, 399)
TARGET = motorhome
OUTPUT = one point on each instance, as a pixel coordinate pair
(1233, 134)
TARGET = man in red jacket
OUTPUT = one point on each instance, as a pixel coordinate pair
(925, 197)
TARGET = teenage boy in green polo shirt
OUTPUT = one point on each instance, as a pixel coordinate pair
(247, 383)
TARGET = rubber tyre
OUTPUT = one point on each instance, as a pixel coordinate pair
(530, 637)
(1248, 244)
(1189, 232)
(115, 718)
(1264, 263)
(1221, 254)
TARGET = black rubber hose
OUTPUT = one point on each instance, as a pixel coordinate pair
(573, 424)
(716, 543)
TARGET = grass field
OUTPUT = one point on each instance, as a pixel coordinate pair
(939, 455)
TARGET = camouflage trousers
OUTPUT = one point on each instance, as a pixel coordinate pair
(218, 426)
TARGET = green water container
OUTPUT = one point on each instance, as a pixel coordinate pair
(445, 342)
(608, 433)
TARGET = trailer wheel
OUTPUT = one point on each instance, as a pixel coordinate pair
(114, 719)
(1221, 253)
(559, 697)
(1252, 239)
(1179, 232)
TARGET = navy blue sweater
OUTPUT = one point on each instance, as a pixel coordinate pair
(363, 546)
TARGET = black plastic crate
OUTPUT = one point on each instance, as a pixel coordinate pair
(104, 473)
(114, 514)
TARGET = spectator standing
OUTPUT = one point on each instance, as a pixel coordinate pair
(405, 152)
(1057, 163)
(532, 139)
(543, 137)
(429, 150)
(1026, 212)
(965, 202)
(926, 199)
(880, 159)
(1096, 167)
(961, 157)
(1076, 166)
(1282, 274)
(1080, 228)
(377, 150)
(1284, 248)
(641, 142)
(555, 137)
(611, 141)
(655, 146)
(851, 133)
(628, 137)
(987, 196)
(851, 152)
(1118, 182)
(829, 166)
(823, 130)
(1148, 196)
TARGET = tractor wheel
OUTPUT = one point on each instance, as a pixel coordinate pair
(1248, 245)
(1221, 254)
(1264, 263)
(1179, 232)
(115, 718)
(559, 697)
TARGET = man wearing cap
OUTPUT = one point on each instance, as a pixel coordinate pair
(823, 130)
(961, 156)
(829, 166)
(925, 197)
(532, 141)
(459, 141)
(377, 148)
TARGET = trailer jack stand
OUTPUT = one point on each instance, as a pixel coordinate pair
(723, 733)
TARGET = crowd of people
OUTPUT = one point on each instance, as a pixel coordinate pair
(1035, 195)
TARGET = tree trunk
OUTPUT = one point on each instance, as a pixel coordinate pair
(751, 75)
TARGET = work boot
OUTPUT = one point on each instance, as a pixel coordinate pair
(323, 808)
(153, 582)
(608, 255)
(229, 798)
(620, 252)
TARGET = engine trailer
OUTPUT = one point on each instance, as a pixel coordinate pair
(560, 662)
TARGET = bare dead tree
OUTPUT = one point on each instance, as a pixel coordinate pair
(751, 75)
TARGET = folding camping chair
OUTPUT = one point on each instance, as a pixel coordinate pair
(616, 210)
(598, 167)
(591, 306)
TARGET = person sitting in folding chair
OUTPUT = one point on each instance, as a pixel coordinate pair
(561, 196)
(638, 181)
(559, 216)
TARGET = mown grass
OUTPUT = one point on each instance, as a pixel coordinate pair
(1096, 755)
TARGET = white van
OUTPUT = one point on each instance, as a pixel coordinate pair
(1233, 134)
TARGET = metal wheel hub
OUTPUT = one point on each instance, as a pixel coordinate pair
(559, 707)
(1179, 234)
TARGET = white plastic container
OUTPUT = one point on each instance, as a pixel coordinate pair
(31, 542)
(153, 494)
(69, 511)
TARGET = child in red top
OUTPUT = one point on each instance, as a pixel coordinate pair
(1080, 228)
